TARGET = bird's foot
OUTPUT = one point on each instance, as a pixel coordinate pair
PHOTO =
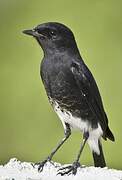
(41, 164)
(71, 169)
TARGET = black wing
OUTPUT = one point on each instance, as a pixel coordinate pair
(90, 92)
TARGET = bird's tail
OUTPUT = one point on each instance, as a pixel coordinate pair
(99, 160)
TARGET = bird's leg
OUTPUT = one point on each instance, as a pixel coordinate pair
(72, 169)
(67, 134)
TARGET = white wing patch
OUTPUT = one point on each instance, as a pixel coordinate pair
(66, 117)
(79, 124)
(94, 136)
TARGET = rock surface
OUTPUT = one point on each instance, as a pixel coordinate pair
(16, 170)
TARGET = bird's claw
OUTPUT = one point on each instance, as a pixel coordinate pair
(71, 169)
(41, 165)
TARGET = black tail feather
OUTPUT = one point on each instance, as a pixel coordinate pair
(99, 160)
(109, 134)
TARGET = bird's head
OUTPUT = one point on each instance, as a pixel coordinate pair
(53, 37)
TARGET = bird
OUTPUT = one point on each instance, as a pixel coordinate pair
(72, 92)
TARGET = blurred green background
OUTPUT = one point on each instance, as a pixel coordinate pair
(29, 128)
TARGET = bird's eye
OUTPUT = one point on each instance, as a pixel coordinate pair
(53, 34)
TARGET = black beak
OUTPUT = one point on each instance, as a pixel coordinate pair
(29, 32)
(34, 33)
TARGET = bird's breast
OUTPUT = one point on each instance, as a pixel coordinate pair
(58, 80)
(61, 86)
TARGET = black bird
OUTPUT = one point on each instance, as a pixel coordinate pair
(72, 91)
